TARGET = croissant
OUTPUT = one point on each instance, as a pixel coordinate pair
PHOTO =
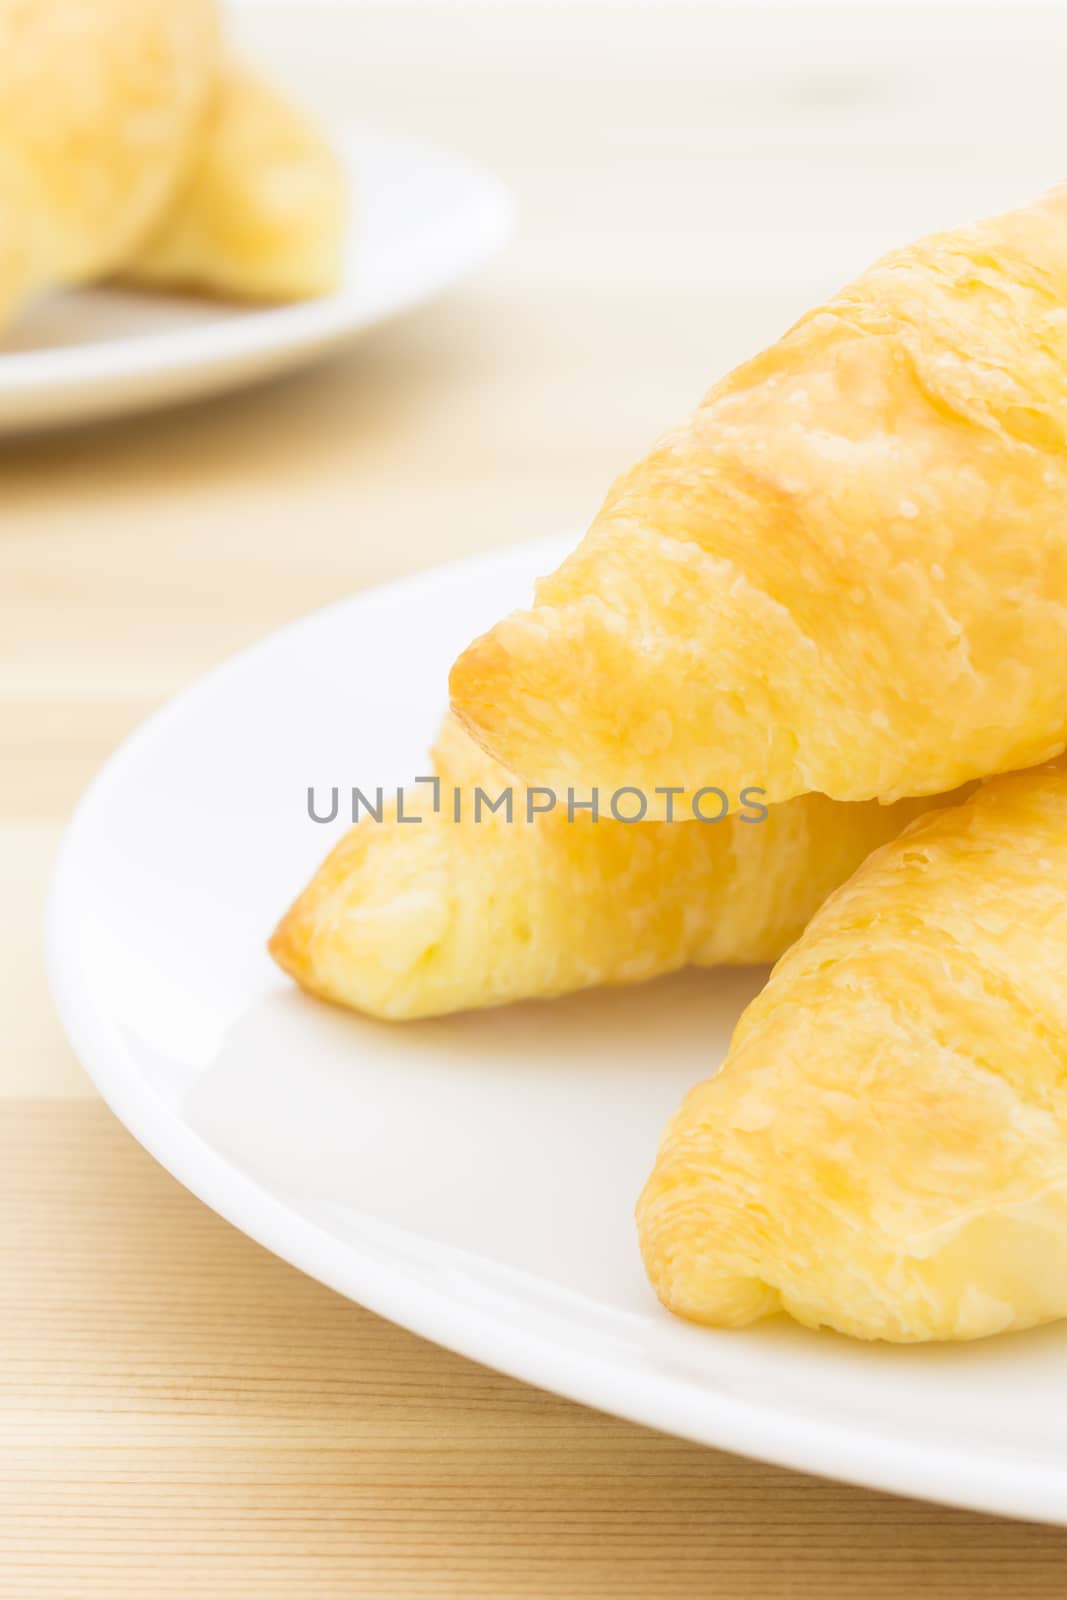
(884, 1151)
(406, 920)
(845, 572)
(128, 146)
(101, 106)
(262, 213)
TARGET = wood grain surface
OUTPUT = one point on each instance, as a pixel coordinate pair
(180, 1413)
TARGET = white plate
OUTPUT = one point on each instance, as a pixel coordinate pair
(471, 1178)
(421, 218)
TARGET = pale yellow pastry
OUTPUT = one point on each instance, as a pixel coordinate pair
(101, 106)
(415, 919)
(885, 1150)
(846, 572)
(262, 213)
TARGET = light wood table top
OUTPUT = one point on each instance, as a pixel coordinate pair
(180, 1413)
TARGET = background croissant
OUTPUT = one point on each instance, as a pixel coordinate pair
(884, 1151)
(127, 144)
(406, 920)
(845, 572)
(261, 214)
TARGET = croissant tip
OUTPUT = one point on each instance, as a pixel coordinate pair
(287, 945)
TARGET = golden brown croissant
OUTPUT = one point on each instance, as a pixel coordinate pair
(100, 108)
(885, 1150)
(846, 572)
(406, 920)
(262, 213)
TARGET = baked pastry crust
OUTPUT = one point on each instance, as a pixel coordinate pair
(884, 1151)
(410, 920)
(100, 106)
(262, 213)
(845, 573)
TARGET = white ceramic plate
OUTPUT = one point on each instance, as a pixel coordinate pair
(471, 1178)
(421, 218)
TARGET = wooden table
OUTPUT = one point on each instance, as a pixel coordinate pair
(180, 1413)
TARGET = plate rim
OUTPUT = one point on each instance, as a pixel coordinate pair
(803, 1442)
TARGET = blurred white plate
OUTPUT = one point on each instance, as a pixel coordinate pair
(421, 218)
(472, 1178)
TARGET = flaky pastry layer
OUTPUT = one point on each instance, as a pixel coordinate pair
(884, 1151)
(407, 920)
(845, 573)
